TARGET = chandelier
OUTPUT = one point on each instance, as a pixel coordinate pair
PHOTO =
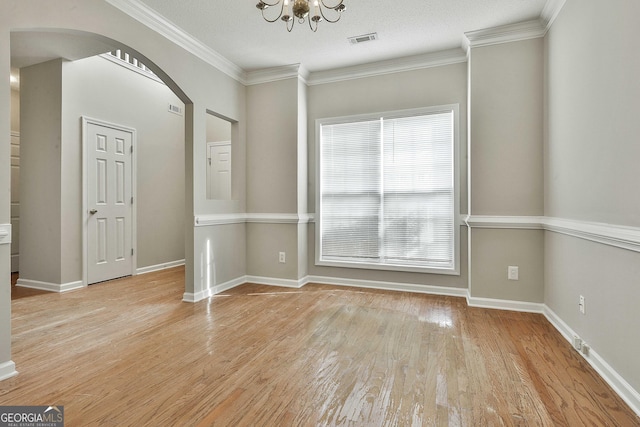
(302, 11)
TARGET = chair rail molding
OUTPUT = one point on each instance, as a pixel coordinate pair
(620, 236)
(258, 218)
(5, 234)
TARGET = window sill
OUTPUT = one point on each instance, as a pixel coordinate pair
(390, 267)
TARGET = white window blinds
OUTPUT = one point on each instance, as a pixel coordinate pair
(387, 191)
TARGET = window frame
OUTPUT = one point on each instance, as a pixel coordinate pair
(447, 108)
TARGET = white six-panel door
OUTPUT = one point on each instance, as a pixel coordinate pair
(109, 201)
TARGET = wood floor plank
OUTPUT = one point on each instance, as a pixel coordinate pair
(131, 353)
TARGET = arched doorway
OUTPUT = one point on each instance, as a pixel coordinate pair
(62, 52)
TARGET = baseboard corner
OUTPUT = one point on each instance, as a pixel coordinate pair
(7, 370)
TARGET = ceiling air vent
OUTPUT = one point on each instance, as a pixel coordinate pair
(363, 38)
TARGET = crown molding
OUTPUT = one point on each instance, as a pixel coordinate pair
(275, 74)
(506, 33)
(503, 34)
(550, 12)
(152, 19)
(409, 63)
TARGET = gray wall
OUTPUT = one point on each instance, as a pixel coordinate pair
(15, 182)
(412, 89)
(15, 110)
(199, 85)
(592, 174)
(100, 89)
(6, 364)
(97, 88)
(276, 177)
(506, 167)
(40, 185)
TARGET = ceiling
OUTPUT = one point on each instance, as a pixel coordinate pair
(235, 29)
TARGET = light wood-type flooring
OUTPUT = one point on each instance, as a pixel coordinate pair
(130, 353)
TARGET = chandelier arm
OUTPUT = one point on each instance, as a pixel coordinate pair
(277, 17)
(331, 7)
(327, 19)
(314, 29)
(293, 22)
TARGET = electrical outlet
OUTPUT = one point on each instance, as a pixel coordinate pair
(581, 305)
(282, 257)
(577, 343)
(512, 272)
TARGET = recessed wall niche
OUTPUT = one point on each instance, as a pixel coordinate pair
(218, 157)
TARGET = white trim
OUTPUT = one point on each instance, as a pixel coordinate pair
(7, 370)
(271, 281)
(85, 121)
(502, 34)
(160, 267)
(455, 110)
(5, 234)
(51, 287)
(275, 74)
(608, 234)
(501, 304)
(510, 222)
(397, 65)
(131, 67)
(219, 219)
(620, 236)
(274, 218)
(506, 33)
(615, 380)
(199, 296)
(242, 218)
(389, 286)
(550, 12)
(149, 17)
(15, 134)
(335, 281)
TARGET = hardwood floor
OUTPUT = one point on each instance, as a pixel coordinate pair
(130, 353)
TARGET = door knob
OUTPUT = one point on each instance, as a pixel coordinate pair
(93, 211)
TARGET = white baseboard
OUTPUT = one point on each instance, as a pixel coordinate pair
(501, 304)
(159, 267)
(7, 370)
(199, 296)
(271, 281)
(51, 287)
(630, 395)
(297, 284)
(389, 286)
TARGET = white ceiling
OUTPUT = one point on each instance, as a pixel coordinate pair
(235, 29)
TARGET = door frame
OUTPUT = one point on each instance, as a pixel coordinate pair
(86, 121)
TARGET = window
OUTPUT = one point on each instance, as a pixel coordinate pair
(387, 195)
